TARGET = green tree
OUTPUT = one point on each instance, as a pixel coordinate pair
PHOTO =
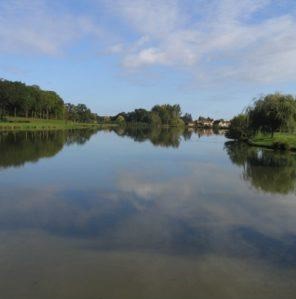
(19, 99)
(187, 118)
(272, 113)
(120, 120)
(239, 128)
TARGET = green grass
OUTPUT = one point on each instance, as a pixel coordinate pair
(285, 141)
(31, 124)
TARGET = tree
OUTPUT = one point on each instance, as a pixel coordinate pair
(239, 128)
(19, 99)
(274, 112)
(187, 118)
(120, 120)
(170, 115)
(155, 120)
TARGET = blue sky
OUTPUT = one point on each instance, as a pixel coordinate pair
(211, 56)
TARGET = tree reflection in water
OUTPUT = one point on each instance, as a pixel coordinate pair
(17, 148)
(266, 170)
(164, 137)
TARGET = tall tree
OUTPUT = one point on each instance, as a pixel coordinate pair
(274, 112)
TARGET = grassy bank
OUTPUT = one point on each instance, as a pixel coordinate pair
(280, 141)
(31, 124)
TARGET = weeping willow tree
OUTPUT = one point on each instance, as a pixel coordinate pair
(273, 113)
(268, 114)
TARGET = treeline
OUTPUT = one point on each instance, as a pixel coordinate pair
(159, 115)
(20, 100)
(268, 114)
(30, 101)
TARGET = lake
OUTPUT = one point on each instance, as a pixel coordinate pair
(144, 214)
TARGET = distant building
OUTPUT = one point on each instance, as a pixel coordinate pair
(205, 122)
(191, 124)
(222, 124)
(208, 123)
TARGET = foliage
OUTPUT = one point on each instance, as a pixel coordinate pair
(273, 113)
(120, 120)
(187, 118)
(79, 113)
(19, 99)
(29, 124)
(159, 115)
(269, 114)
(279, 141)
(282, 146)
(239, 128)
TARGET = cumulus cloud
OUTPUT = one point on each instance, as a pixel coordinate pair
(213, 39)
(145, 57)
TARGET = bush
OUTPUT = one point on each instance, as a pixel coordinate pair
(120, 120)
(281, 146)
(238, 129)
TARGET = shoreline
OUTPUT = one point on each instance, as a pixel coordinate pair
(285, 142)
(30, 124)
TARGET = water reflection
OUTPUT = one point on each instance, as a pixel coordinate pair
(126, 221)
(17, 148)
(268, 171)
(163, 137)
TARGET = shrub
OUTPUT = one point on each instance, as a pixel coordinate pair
(238, 128)
(281, 146)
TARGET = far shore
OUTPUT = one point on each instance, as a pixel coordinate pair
(279, 141)
(37, 124)
(33, 124)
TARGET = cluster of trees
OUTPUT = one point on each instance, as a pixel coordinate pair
(80, 113)
(168, 115)
(269, 114)
(19, 99)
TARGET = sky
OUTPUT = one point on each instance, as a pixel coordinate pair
(213, 57)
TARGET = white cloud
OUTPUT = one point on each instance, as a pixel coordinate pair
(158, 18)
(147, 56)
(192, 198)
(213, 39)
(36, 26)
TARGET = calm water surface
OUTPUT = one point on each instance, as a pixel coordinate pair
(144, 214)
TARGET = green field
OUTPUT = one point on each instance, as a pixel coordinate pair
(284, 141)
(30, 124)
